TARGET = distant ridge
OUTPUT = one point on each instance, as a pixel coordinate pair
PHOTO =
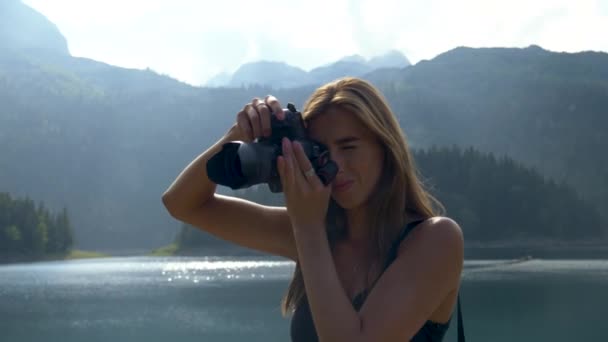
(283, 75)
(24, 29)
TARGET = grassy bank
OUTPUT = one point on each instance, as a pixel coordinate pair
(173, 249)
(72, 255)
(165, 250)
(80, 254)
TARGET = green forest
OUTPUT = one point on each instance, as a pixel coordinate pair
(30, 231)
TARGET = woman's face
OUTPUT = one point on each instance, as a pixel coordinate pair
(357, 152)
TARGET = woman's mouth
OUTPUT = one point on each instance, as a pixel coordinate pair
(339, 187)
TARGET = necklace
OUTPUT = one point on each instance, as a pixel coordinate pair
(357, 269)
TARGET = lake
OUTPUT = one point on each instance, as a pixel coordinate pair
(236, 299)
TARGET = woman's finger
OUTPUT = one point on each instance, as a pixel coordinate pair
(297, 177)
(264, 113)
(281, 170)
(305, 166)
(242, 120)
(264, 119)
(289, 163)
(254, 119)
(274, 106)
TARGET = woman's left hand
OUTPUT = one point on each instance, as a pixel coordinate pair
(306, 197)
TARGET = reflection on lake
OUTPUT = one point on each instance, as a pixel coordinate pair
(222, 299)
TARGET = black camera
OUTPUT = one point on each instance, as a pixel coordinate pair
(240, 165)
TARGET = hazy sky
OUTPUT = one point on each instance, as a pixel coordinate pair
(192, 40)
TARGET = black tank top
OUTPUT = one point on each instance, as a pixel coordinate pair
(303, 329)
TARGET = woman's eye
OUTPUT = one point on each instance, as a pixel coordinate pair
(348, 147)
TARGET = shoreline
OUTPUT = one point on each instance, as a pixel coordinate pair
(541, 249)
(74, 254)
(547, 243)
(547, 249)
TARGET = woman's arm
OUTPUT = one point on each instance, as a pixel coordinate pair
(334, 317)
(192, 187)
(402, 300)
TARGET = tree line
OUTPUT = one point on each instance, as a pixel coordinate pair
(493, 198)
(30, 231)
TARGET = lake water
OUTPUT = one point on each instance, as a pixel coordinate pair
(218, 299)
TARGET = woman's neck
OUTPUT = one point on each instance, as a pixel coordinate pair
(357, 225)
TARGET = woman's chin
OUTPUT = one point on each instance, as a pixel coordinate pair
(344, 202)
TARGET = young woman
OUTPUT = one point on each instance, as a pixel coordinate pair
(374, 260)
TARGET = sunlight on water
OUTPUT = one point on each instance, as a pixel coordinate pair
(212, 270)
(144, 270)
(231, 299)
(207, 270)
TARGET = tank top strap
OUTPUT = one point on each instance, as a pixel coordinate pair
(406, 230)
(402, 235)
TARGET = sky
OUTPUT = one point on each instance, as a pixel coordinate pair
(193, 40)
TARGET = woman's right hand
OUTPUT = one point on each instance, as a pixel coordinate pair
(253, 121)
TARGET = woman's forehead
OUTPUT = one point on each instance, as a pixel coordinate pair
(335, 124)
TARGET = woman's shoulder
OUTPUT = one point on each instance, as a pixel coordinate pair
(437, 223)
(435, 245)
(438, 233)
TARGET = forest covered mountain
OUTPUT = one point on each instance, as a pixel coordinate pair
(105, 141)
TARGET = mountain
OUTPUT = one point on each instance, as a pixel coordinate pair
(391, 59)
(105, 141)
(276, 74)
(62, 121)
(282, 75)
(339, 69)
(353, 59)
(220, 80)
(543, 108)
(24, 29)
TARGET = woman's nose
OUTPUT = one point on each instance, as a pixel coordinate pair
(338, 159)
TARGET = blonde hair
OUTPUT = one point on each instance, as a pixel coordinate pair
(399, 192)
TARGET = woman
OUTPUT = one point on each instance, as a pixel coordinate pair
(363, 273)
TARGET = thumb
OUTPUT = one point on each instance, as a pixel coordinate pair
(281, 170)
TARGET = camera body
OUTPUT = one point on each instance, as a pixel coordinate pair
(240, 165)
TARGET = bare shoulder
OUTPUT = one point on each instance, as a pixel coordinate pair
(443, 229)
(439, 229)
(436, 238)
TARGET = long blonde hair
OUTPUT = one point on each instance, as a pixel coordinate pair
(399, 192)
